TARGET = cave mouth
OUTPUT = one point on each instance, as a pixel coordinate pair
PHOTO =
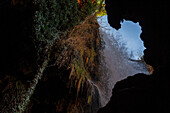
(124, 48)
(118, 59)
(130, 34)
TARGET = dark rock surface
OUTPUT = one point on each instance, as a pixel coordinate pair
(17, 51)
(141, 93)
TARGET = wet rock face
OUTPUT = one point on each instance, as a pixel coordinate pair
(141, 93)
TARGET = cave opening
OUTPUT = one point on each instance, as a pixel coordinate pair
(130, 34)
(142, 93)
(128, 37)
(122, 54)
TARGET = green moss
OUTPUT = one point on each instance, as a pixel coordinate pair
(20, 90)
(54, 17)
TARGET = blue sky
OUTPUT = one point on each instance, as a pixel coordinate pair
(130, 34)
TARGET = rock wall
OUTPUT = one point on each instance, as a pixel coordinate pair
(141, 93)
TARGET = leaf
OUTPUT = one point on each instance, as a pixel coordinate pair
(72, 71)
(79, 84)
(78, 1)
(89, 99)
(93, 1)
(81, 2)
(87, 59)
(78, 73)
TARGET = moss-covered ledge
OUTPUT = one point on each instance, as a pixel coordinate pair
(51, 55)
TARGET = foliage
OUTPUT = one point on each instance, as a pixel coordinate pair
(20, 87)
(12, 95)
(53, 23)
(80, 57)
(66, 27)
(54, 17)
(99, 8)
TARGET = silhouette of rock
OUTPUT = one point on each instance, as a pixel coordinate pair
(141, 93)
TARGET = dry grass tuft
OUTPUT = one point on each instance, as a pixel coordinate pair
(83, 41)
(78, 52)
(84, 34)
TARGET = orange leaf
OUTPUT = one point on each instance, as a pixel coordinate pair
(93, 1)
(79, 84)
(83, 1)
(78, 1)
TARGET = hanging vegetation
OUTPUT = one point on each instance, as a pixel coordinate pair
(66, 39)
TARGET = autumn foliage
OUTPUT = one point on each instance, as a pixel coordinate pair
(81, 2)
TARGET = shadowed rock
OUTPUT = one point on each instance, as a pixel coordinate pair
(141, 93)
